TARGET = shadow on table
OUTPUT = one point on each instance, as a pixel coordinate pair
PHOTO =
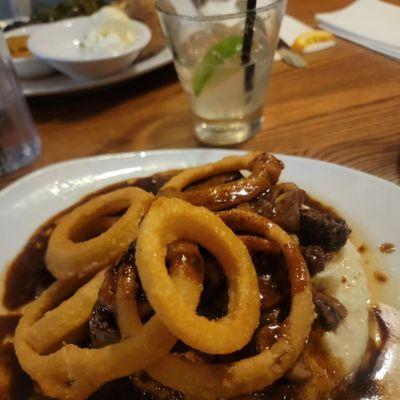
(83, 104)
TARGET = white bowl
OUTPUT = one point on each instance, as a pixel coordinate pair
(59, 45)
(29, 67)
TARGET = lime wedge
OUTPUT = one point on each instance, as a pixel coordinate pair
(215, 56)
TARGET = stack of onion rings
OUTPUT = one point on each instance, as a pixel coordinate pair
(170, 269)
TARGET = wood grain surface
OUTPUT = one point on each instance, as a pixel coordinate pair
(344, 108)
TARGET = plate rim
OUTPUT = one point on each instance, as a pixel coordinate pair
(158, 152)
(86, 86)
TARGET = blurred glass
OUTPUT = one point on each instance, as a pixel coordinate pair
(14, 13)
(223, 52)
(15, 9)
(19, 140)
(20, 8)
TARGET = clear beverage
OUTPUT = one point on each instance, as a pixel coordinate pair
(19, 141)
(224, 80)
(226, 110)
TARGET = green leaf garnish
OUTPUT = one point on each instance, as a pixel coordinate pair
(215, 56)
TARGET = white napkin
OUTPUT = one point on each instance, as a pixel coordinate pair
(371, 23)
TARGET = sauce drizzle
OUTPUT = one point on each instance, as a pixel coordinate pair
(387, 248)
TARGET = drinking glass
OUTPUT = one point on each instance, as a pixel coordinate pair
(20, 8)
(223, 51)
(19, 141)
(14, 11)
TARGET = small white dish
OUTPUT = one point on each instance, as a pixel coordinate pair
(58, 84)
(29, 67)
(59, 45)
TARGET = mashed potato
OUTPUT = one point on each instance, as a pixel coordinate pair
(344, 279)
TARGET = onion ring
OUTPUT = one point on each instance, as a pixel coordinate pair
(265, 172)
(66, 258)
(257, 243)
(74, 373)
(171, 219)
(253, 373)
(66, 323)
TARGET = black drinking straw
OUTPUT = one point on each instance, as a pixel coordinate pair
(247, 43)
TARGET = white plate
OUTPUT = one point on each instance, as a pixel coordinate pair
(59, 44)
(62, 84)
(369, 204)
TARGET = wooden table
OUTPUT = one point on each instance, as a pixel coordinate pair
(344, 108)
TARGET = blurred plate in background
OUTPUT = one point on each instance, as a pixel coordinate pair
(62, 84)
(29, 67)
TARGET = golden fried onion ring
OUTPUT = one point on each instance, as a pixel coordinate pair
(257, 243)
(265, 172)
(257, 372)
(66, 258)
(171, 219)
(74, 373)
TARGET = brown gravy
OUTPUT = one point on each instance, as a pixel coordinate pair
(20, 291)
(362, 248)
(29, 263)
(380, 277)
(387, 248)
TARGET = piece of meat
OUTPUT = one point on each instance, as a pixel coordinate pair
(270, 293)
(315, 258)
(322, 229)
(329, 309)
(102, 326)
(269, 330)
(267, 336)
(281, 203)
